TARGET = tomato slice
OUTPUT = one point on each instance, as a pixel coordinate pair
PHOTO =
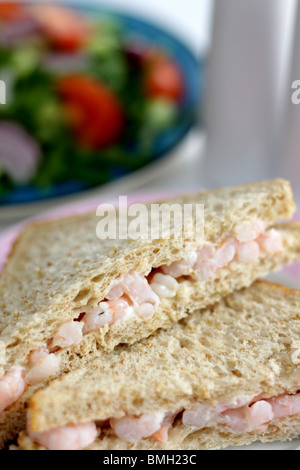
(164, 79)
(65, 29)
(11, 11)
(95, 113)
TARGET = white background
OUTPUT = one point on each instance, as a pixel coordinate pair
(190, 19)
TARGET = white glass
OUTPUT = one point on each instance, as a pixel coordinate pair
(290, 150)
(245, 75)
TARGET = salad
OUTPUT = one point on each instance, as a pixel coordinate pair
(85, 102)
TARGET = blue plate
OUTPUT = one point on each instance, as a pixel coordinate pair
(192, 69)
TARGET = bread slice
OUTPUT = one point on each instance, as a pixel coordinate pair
(59, 268)
(246, 346)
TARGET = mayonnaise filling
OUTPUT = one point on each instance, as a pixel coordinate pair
(139, 296)
(12, 386)
(244, 415)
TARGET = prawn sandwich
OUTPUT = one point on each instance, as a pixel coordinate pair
(228, 375)
(66, 296)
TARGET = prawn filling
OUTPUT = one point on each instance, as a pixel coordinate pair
(244, 415)
(140, 296)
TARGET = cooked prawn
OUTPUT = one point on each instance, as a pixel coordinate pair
(12, 386)
(73, 437)
(45, 365)
(134, 429)
(68, 334)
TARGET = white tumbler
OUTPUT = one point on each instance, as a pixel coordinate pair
(243, 89)
(290, 151)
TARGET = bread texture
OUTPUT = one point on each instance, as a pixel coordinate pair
(59, 267)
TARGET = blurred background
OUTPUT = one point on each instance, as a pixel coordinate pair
(109, 98)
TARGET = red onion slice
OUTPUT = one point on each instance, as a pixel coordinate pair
(19, 153)
(61, 63)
